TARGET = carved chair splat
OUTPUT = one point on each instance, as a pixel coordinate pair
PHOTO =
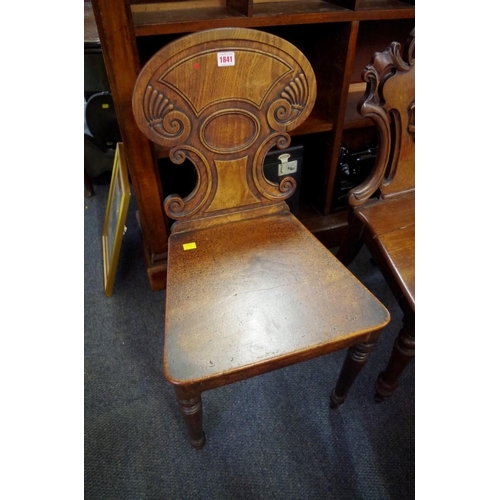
(249, 288)
(386, 223)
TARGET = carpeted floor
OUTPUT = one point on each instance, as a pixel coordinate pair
(271, 437)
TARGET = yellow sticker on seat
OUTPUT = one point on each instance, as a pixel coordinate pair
(189, 246)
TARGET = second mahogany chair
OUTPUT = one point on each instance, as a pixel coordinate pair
(386, 222)
(249, 288)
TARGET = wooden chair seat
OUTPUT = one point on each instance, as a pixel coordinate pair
(248, 300)
(391, 215)
(249, 289)
(392, 231)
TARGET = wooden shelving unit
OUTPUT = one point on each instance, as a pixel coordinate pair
(337, 36)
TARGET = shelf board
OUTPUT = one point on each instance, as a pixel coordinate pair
(299, 7)
(383, 5)
(190, 16)
(371, 10)
(316, 122)
(185, 17)
(169, 20)
(352, 118)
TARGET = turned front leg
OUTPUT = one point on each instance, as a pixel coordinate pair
(356, 358)
(402, 353)
(191, 408)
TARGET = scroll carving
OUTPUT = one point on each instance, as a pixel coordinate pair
(177, 207)
(220, 121)
(386, 65)
(291, 104)
(163, 119)
(272, 190)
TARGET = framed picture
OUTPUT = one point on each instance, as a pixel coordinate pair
(116, 215)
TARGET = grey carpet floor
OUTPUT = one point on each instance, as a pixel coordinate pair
(270, 437)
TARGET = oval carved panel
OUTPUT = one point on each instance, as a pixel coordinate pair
(229, 131)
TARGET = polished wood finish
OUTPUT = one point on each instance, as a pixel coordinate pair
(332, 35)
(116, 33)
(183, 96)
(191, 408)
(177, 17)
(357, 356)
(386, 223)
(259, 289)
(249, 288)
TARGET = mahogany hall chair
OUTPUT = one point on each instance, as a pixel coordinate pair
(386, 222)
(249, 289)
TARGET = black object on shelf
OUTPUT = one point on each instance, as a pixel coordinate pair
(281, 163)
(353, 168)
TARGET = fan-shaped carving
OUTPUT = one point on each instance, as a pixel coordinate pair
(296, 92)
(194, 70)
(162, 118)
(291, 104)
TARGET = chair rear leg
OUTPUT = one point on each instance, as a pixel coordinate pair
(402, 353)
(356, 358)
(192, 411)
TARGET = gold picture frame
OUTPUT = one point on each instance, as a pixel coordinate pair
(116, 215)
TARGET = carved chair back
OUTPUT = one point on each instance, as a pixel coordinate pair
(389, 101)
(222, 99)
